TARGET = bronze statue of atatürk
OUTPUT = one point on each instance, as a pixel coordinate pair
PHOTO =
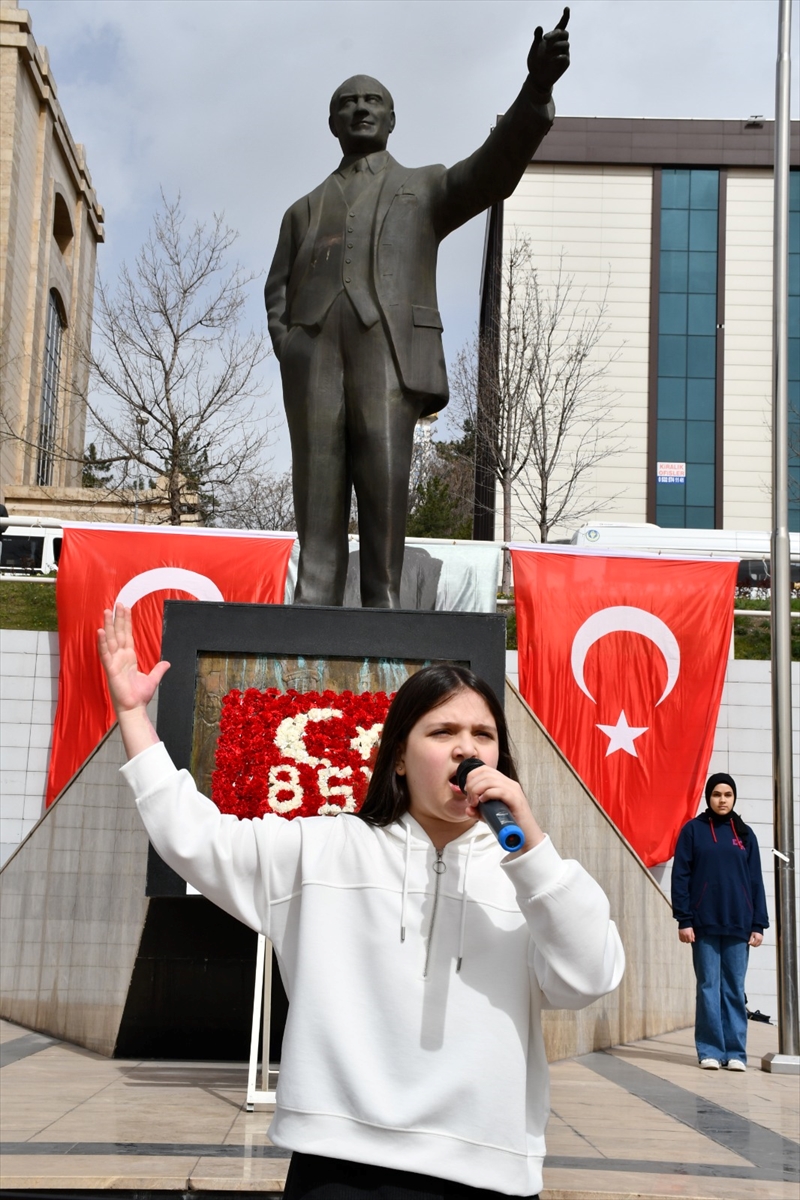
(354, 318)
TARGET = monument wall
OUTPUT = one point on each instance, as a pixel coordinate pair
(657, 989)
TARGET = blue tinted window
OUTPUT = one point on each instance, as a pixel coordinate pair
(674, 271)
(671, 442)
(670, 495)
(700, 484)
(700, 442)
(794, 357)
(703, 231)
(794, 232)
(704, 189)
(703, 271)
(672, 398)
(674, 189)
(699, 518)
(701, 399)
(672, 313)
(794, 315)
(701, 357)
(794, 274)
(672, 355)
(670, 518)
(675, 230)
(702, 314)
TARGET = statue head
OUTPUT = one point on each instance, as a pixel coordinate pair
(361, 115)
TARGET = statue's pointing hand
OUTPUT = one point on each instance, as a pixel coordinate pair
(549, 55)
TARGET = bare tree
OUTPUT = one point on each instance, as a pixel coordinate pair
(538, 396)
(258, 500)
(174, 381)
(440, 497)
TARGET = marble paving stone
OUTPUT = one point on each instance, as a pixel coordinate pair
(239, 1174)
(617, 1124)
(564, 1184)
(250, 1129)
(95, 1171)
(9, 1031)
(66, 1095)
(768, 1100)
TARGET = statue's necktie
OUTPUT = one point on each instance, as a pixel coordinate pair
(356, 180)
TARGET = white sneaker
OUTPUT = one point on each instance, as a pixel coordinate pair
(736, 1064)
(709, 1064)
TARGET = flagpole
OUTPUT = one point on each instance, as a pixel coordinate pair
(787, 1060)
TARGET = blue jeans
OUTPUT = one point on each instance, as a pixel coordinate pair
(720, 1027)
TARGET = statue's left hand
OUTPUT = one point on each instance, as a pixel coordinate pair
(549, 55)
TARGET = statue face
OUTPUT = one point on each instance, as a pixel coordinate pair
(362, 115)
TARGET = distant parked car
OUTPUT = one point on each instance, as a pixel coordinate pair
(27, 547)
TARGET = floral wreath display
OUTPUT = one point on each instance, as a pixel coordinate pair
(299, 754)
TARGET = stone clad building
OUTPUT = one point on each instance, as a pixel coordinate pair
(674, 218)
(50, 227)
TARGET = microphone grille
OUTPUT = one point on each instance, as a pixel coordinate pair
(464, 768)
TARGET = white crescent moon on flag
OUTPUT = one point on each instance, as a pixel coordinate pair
(626, 619)
(162, 579)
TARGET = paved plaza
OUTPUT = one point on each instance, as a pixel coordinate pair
(639, 1121)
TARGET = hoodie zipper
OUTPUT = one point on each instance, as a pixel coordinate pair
(439, 867)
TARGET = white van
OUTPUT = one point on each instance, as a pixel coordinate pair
(752, 547)
(29, 545)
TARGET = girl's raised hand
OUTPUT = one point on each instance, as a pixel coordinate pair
(130, 688)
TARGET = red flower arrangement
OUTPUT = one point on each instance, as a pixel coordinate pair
(299, 754)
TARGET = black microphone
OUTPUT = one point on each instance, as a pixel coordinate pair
(496, 814)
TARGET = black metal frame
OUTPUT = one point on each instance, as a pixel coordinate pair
(192, 628)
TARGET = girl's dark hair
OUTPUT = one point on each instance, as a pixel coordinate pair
(387, 795)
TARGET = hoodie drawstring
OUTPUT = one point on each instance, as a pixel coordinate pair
(405, 883)
(463, 924)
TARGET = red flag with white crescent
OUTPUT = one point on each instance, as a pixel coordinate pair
(141, 567)
(623, 661)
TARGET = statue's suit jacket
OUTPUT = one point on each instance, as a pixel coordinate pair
(416, 209)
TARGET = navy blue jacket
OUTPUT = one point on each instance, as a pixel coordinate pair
(717, 886)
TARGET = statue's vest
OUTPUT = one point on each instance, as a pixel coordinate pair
(340, 257)
(391, 243)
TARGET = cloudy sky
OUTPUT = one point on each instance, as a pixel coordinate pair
(227, 103)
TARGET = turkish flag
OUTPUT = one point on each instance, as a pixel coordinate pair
(623, 661)
(141, 567)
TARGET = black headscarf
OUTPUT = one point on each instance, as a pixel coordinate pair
(742, 830)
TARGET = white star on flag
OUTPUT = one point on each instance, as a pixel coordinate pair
(622, 736)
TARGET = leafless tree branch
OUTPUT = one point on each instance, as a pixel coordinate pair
(539, 398)
(176, 385)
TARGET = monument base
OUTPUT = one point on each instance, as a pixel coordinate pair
(781, 1064)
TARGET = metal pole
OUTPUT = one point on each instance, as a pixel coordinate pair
(788, 1057)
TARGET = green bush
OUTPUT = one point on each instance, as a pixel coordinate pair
(27, 605)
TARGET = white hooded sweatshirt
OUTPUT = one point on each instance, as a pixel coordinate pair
(415, 980)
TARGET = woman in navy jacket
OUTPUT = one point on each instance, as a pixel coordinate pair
(719, 903)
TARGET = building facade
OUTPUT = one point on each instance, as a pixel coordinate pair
(669, 223)
(50, 227)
